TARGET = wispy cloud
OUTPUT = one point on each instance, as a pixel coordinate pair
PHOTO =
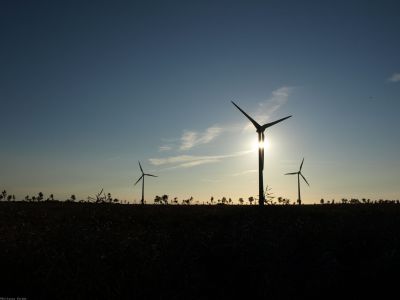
(199, 162)
(191, 139)
(188, 161)
(244, 172)
(394, 78)
(164, 148)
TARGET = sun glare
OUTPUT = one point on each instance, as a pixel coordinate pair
(255, 144)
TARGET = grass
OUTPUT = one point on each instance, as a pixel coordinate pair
(101, 251)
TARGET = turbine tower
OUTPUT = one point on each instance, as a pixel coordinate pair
(142, 178)
(260, 131)
(298, 180)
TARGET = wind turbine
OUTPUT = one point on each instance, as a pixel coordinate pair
(298, 180)
(142, 178)
(260, 131)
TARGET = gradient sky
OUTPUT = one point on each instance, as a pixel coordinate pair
(88, 88)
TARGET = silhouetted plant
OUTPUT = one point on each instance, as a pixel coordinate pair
(157, 199)
(161, 200)
(241, 201)
(187, 201)
(4, 194)
(269, 196)
(322, 201)
(40, 197)
(102, 197)
(109, 198)
(99, 198)
(251, 199)
(283, 201)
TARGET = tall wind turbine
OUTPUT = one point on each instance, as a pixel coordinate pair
(260, 130)
(298, 180)
(142, 178)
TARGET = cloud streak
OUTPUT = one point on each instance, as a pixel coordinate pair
(394, 78)
(244, 172)
(188, 161)
(164, 148)
(191, 139)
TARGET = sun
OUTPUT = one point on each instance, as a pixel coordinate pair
(255, 145)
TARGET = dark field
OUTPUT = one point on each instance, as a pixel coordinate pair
(89, 251)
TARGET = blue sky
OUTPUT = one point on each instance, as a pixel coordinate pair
(88, 88)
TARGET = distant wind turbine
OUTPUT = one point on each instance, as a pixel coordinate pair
(298, 180)
(260, 131)
(142, 178)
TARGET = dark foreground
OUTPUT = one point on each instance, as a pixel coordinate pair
(88, 251)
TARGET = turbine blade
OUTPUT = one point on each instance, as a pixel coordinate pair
(301, 165)
(150, 175)
(294, 173)
(265, 126)
(138, 179)
(140, 167)
(248, 117)
(305, 179)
